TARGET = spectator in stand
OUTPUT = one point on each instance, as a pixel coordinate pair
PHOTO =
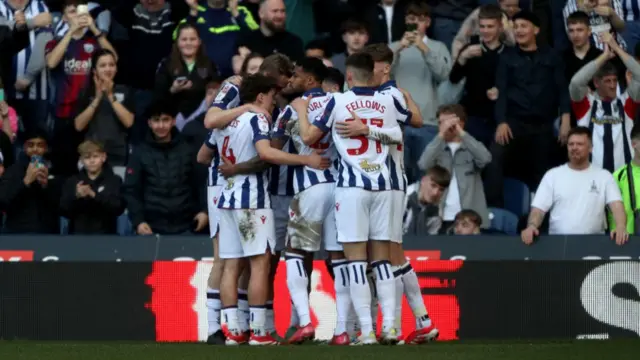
(29, 194)
(605, 16)
(448, 16)
(12, 41)
(8, 119)
(628, 180)
(478, 64)
(609, 116)
(69, 59)
(386, 21)
(31, 90)
(98, 12)
(467, 222)
(251, 64)
(420, 65)
(317, 48)
(183, 77)
(631, 16)
(575, 195)
(464, 157)
(7, 134)
(220, 23)
(164, 187)
(531, 91)
(91, 200)
(355, 36)
(253, 6)
(149, 27)
(333, 81)
(272, 37)
(423, 211)
(471, 29)
(582, 51)
(105, 110)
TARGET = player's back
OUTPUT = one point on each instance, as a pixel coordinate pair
(236, 143)
(396, 152)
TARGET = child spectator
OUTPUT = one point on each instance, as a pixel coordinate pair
(423, 215)
(467, 222)
(91, 200)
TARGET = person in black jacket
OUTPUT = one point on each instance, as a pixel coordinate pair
(164, 186)
(91, 200)
(28, 193)
(12, 41)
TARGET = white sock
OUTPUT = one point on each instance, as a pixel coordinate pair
(230, 315)
(294, 321)
(343, 299)
(386, 286)
(243, 310)
(397, 276)
(352, 320)
(360, 294)
(269, 320)
(297, 282)
(258, 318)
(414, 296)
(213, 310)
(371, 277)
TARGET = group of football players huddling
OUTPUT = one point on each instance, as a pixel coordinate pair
(295, 167)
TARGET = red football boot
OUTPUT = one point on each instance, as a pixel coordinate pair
(340, 340)
(236, 339)
(262, 340)
(304, 333)
(420, 336)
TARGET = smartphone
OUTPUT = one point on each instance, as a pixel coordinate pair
(82, 9)
(181, 78)
(37, 160)
(1, 94)
(412, 27)
(474, 40)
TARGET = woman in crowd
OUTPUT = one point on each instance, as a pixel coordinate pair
(106, 110)
(184, 75)
(251, 64)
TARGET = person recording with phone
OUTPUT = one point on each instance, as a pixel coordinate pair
(29, 194)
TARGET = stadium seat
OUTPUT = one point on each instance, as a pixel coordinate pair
(503, 221)
(517, 197)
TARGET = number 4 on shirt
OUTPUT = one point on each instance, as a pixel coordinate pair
(364, 141)
(228, 152)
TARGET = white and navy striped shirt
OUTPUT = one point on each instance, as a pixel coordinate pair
(38, 90)
(228, 97)
(363, 161)
(631, 10)
(281, 177)
(214, 178)
(396, 152)
(599, 24)
(236, 142)
(286, 126)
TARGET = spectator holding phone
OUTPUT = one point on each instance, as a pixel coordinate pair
(69, 59)
(105, 110)
(29, 194)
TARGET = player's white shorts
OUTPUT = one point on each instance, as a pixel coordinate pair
(312, 219)
(213, 193)
(280, 206)
(396, 215)
(245, 232)
(362, 215)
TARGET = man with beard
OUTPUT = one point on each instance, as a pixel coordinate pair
(271, 37)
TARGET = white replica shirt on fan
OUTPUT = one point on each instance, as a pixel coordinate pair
(287, 126)
(396, 152)
(576, 199)
(236, 142)
(363, 161)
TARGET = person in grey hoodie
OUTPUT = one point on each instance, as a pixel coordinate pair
(464, 157)
(420, 65)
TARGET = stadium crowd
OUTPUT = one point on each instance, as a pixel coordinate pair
(106, 108)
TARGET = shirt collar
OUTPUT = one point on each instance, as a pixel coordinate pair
(315, 92)
(363, 90)
(388, 84)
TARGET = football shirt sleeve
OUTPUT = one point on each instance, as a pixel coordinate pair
(402, 112)
(260, 127)
(326, 120)
(280, 126)
(210, 142)
(227, 98)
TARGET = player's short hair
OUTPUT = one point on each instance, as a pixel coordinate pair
(313, 66)
(606, 70)
(418, 8)
(470, 215)
(353, 25)
(578, 17)
(90, 147)
(455, 109)
(254, 85)
(276, 65)
(439, 175)
(580, 130)
(334, 76)
(361, 64)
(380, 53)
(490, 12)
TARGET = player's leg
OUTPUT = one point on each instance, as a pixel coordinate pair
(425, 329)
(380, 235)
(214, 333)
(396, 252)
(243, 297)
(257, 245)
(280, 205)
(352, 223)
(371, 277)
(231, 251)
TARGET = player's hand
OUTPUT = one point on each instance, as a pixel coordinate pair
(227, 169)
(317, 161)
(605, 11)
(621, 236)
(529, 234)
(301, 105)
(201, 219)
(355, 127)
(503, 134)
(144, 229)
(492, 94)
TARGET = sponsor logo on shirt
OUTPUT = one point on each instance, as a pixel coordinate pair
(364, 164)
(77, 67)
